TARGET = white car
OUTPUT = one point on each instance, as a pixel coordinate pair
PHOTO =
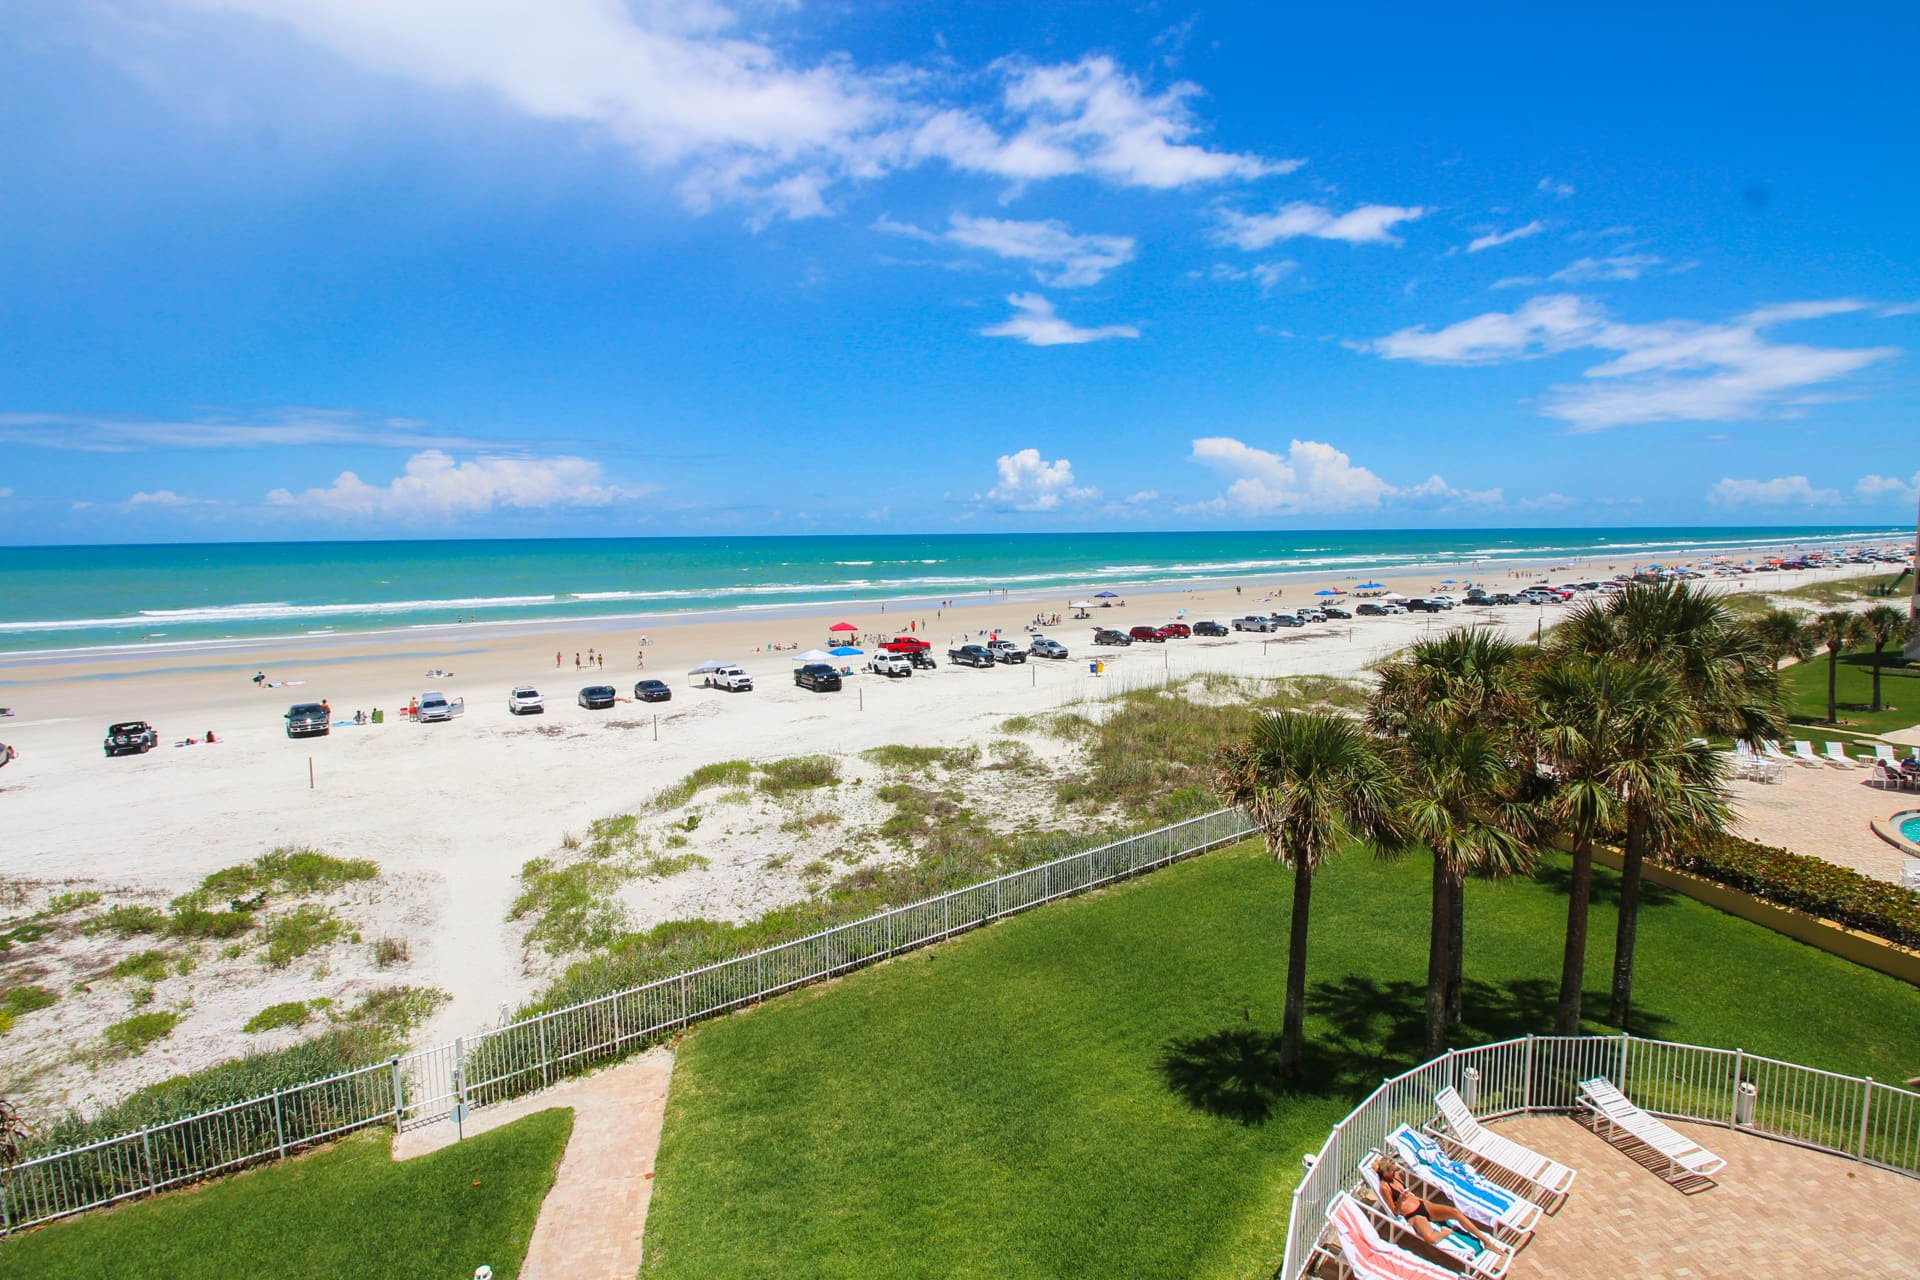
(525, 701)
(433, 706)
(1389, 606)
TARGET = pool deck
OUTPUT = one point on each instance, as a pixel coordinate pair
(1825, 813)
(1775, 1210)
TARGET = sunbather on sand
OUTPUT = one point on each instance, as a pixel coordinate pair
(1431, 1220)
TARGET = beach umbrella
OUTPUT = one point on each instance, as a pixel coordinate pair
(1087, 604)
(846, 651)
(1447, 582)
(1369, 586)
(812, 655)
(843, 626)
(1326, 591)
(1106, 595)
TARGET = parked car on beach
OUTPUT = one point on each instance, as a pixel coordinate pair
(652, 691)
(131, 738)
(1149, 634)
(1177, 631)
(1371, 610)
(730, 678)
(1209, 629)
(892, 665)
(1417, 605)
(434, 706)
(970, 655)
(308, 720)
(526, 701)
(1041, 647)
(1335, 614)
(1253, 622)
(1282, 620)
(595, 697)
(817, 676)
(1006, 651)
(1107, 635)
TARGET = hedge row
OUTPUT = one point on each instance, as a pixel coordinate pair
(1809, 884)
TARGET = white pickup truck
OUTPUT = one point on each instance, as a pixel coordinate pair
(1006, 651)
(732, 679)
(890, 664)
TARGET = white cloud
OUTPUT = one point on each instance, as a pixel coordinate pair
(434, 484)
(1062, 258)
(1436, 492)
(1554, 187)
(1035, 323)
(1367, 224)
(1310, 477)
(689, 87)
(1548, 502)
(1784, 312)
(1494, 239)
(1887, 489)
(1625, 266)
(1266, 275)
(1783, 491)
(160, 498)
(337, 427)
(1674, 370)
(1145, 495)
(1088, 117)
(1029, 482)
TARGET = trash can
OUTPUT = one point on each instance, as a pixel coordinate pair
(379, 716)
(1744, 1099)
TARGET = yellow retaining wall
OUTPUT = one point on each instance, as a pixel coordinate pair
(1835, 939)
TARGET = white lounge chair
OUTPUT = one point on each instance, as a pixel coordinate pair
(1615, 1113)
(1803, 752)
(1883, 754)
(1771, 750)
(1545, 1182)
(1358, 1249)
(1482, 1199)
(1476, 1256)
(1837, 755)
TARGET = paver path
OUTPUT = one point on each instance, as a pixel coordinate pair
(1777, 1211)
(591, 1223)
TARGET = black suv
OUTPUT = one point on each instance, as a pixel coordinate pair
(652, 691)
(1106, 635)
(1417, 605)
(1209, 629)
(308, 719)
(135, 737)
(817, 676)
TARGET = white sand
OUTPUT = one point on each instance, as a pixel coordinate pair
(451, 811)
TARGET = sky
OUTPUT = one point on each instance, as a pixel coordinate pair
(279, 269)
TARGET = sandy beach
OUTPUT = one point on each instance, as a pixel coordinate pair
(452, 811)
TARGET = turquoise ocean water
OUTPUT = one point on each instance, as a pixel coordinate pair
(76, 598)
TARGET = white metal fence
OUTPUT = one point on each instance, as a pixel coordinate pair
(1861, 1119)
(448, 1080)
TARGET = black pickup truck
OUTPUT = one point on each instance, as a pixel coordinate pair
(817, 676)
(970, 655)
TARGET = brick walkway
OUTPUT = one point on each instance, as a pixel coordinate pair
(592, 1221)
(1776, 1210)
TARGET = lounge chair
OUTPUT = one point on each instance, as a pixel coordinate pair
(1543, 1181)
(1615, 1113)
(1883, 754)
(1771, 750)
(1359, 1250)
(1803, 752)
(1475, 1257)
(1837, 755)
(1482, 1199)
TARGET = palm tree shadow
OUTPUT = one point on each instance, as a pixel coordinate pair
(1235, 1074)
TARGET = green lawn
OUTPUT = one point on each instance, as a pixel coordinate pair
(1087, 1090)
(346, 1213)
(1805, 686)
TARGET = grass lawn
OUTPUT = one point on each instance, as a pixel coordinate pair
(345, 1213)
(1805, 686)
(1087, 1089)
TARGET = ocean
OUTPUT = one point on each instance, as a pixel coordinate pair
(55, 599)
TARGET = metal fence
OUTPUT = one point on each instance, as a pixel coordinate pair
(1861, 1119)
(448, 1080)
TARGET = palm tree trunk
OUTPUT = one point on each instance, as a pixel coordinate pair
(1573, 965)
(1293, 1032)
(1876, 675)
(1439, 967)
(1456, 945)
(1833, 672)
(1632, 860)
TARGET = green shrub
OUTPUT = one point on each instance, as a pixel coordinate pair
(291, 872)
(798, 773)
(147, 966)
(21, 1000)
(304, 929)
(723, 773)
(388, 952)
(189, 921)
(921, 758)
(1809, 884)
(127, 920)
(133, 1035)
(291, 1013)
(61, 903)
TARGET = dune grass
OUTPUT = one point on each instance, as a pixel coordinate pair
(346, 1213)
(1086, 1089)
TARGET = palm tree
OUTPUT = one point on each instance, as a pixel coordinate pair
(1313, 782)
(1459, 788)
(1884, 625)
(1610, 736)
(1464, 682)
(1729, 678)
(1833, 631)
(1784, 633)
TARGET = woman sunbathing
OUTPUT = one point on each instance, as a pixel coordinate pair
(1431, 1220)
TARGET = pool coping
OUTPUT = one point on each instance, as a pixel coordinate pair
(1888, 829)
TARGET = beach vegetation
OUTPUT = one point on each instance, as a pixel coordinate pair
(72, 900)
(1881, 626)
(29, 931)
(334, 1215)
(1842, 591)
(722, 773)
(659, 866)
(145, 966)
(132, 1036)
(289, 1013)
(190, 921)
(140, 997)
(807, 822)
(920, 759)
(1018, 724)
(126, 919)
(26, 999)
(1013, 756)
(916, 810)
(572, 905)
(303, 930)
(288, 871)
(818, 869)
(797, 773)
(388, 952)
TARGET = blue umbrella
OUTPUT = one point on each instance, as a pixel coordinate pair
(1326, 591)
(1446, 582)
(846, 651)
(1106, 595)
(1368, 586)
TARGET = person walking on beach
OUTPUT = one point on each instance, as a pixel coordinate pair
(603, 661)
(556, 661)
(576, 662)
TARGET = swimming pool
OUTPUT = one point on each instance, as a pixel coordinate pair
(1910, 827)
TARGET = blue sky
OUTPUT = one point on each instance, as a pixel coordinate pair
(359, 268)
